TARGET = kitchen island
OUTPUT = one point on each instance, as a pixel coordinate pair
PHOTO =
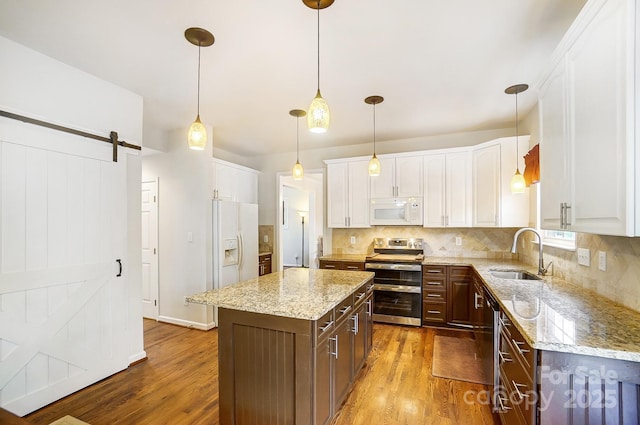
(290, 344)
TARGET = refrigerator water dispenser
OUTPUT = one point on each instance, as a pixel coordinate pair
(230, 247)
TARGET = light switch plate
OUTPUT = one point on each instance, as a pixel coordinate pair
(584, 257)
(458, 241)
(353, 240)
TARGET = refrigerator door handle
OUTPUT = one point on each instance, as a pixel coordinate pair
(240, 251)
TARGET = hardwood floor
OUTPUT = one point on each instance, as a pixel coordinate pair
(178, 384)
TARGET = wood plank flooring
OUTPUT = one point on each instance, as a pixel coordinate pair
(178, 384)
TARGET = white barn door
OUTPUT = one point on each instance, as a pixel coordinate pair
(63, 311)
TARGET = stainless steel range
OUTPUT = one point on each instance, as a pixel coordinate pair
(397, 289)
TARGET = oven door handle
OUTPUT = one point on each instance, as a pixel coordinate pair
(397, 288)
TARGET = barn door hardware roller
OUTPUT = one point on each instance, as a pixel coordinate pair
(112, 139)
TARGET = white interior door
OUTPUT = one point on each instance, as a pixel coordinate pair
(63, 311)
(150, 249)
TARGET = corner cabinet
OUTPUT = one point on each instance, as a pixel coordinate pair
(400, 176)
(493, 165)
(587, 121)
(447, 190)
(348, 194)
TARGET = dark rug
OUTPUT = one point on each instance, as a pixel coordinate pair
(456, 358)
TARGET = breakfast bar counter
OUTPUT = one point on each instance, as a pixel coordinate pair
(290, 344)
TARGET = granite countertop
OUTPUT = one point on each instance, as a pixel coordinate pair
(358, 258)
(556, 315)
(296, 293)
(261, 253)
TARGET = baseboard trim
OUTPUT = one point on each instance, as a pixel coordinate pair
(187, 323)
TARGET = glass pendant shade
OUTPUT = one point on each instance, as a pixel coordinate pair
(298, 172)
(374, 166)
(517, 182)
(197, 137)
(318, 116)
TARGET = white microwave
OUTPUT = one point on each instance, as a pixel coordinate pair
(396, 212)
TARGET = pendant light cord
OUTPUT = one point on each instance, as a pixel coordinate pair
(374, 129)
(517, 142)
(297, 139)
(318, 45)
(199, 78)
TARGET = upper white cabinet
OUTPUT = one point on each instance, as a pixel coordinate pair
(493, 165)
(234, 182)
(348, 194)
(447, 190)
(587, 121)
(400, 176)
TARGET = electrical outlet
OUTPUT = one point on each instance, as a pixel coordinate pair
(353, 240)
(458, 241)
(184, 300)
(265, 239)
(584, 257)
(602, 261)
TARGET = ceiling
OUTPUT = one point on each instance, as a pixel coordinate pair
(442, 66)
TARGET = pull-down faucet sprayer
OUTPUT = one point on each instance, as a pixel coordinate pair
(542, 270)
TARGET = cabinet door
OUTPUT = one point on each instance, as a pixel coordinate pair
(409, 176)
(322, 393)
(383, 186)
(358, 194)
(337, 193)
(246, 186)
(555, 172)
(342, 361)
(369, 322)
(600, 97)
(458, 190)
(434, 190)
(224, 181)
(486, 186)
(460, 296)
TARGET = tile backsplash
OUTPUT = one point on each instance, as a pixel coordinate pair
(621, 280)
(265, 238)
(474, 242)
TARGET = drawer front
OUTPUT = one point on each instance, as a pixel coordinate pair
(325, 325)
(508, 409)
(460, 272)
(521, 349)
(344, 308)
(360, 295)
(351, 265)
(434, 295)
(434, 271)
(433, 282)
(334, 265)
(434, 312)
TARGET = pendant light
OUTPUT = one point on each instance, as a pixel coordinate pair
(374, 162)
(517, 181)
(318, 117)
(297, 171)
(197, 136)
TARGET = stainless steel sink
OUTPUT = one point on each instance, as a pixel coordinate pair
(514, 274)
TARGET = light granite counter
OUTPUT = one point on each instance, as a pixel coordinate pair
(556, 315)
(294, 293)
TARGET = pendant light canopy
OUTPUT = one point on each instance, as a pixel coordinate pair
(297, 171)
(517, 181)
(374, 163)
(197, 137)
(319, 116)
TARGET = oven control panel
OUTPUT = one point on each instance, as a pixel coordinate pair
(397, 243)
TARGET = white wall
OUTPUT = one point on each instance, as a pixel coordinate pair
(185, 181)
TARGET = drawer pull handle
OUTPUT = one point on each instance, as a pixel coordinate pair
(434, 283)
(433, 311)
(503, 358)
(329, 266)
(434, 271)
(361, 295)
(517, 387)
(501, 402)
(326, 326)
(352, 267)
(343, 310)
(518, 344)
(434, 296)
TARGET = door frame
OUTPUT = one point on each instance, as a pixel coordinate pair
(148, 310)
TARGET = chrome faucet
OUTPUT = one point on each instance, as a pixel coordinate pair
(541, 268)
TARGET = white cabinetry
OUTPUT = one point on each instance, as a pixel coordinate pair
(447, 190)
(400, 176)
(493, 165)
(587, 120)
(348, 194)
(233, 182)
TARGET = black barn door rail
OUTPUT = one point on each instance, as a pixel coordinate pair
(112, 139)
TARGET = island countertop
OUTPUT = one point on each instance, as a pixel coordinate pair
(295, 293)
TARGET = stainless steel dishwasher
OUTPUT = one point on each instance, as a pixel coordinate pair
(488, 335)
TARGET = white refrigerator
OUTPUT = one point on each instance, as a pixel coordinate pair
(235, 242)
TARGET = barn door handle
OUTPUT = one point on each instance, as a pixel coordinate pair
(120, 267)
